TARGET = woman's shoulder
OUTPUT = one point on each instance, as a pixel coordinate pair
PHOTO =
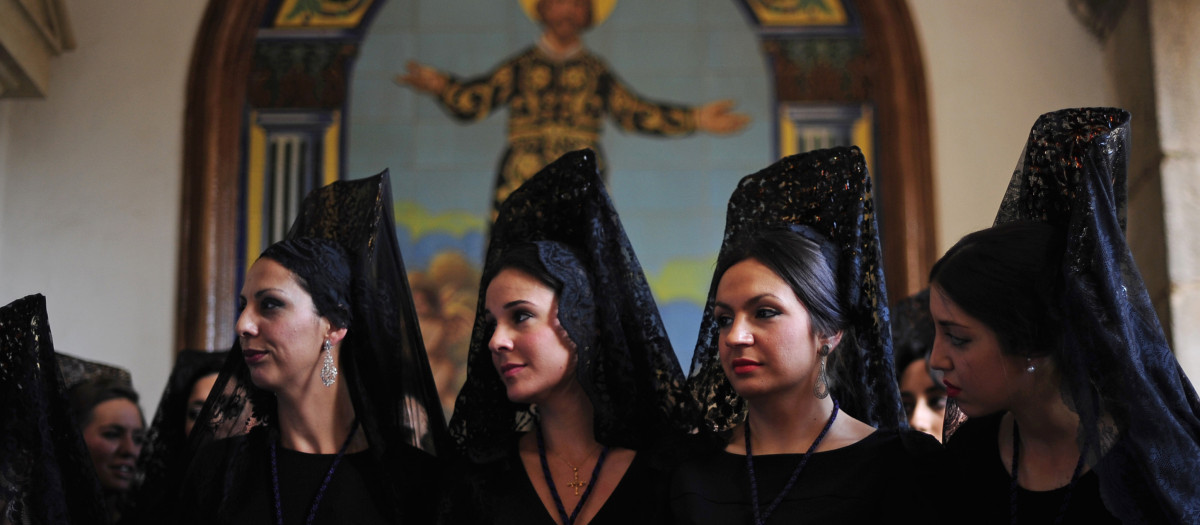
(669, 451)
(900, 445)
(974, 434)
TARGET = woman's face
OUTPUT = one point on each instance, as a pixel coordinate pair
(977, 374)
(114, 439)
(924, 401)
(280, 331)
(199, 394)
(530, 349)
(767, 345)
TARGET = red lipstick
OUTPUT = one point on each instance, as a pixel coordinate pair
(743, 365)
(951, 390)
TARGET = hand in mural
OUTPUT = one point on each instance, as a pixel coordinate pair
(422, 78)
(718, 118)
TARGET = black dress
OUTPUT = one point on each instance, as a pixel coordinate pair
(501, 492)
(975, 450)
(357, 492)
(870, 481)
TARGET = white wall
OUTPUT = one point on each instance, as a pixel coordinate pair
(4, 134)
(992, 68)
(90, 182)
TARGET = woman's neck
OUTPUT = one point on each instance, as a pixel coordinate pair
(1043, 418)
(782, 425)
(568, 426)
(317, 421)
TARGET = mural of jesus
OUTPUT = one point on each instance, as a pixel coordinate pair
(558, 94)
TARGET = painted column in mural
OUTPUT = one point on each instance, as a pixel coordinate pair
(558, 93)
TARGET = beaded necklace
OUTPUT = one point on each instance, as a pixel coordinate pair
(760, 516)
(1013, 489)
(562, 509)
(312, 513)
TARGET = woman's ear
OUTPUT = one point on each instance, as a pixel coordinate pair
(336, 335)
(832, 340)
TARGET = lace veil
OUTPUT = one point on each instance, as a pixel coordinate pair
(164, 453)
(830, 191)
(46, 474)
(1119, 375)
(383, 357)
(626, 364)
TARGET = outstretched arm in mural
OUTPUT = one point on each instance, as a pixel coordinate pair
(470, 100)
(475, 99)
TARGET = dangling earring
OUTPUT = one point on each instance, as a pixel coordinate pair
(1030, 368)
(821, 390)
(328, 371)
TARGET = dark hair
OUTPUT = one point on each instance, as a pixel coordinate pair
(1006, 276)
(526, 258)
(322, 269)
(805, 260)
(86, 396)
(560, 268)
(912, 331)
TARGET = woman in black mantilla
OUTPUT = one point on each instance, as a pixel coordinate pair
(330, 377)
(921, 389)
(165, 453)
(46, 474)
(572, 386)
(1077, 410)
(794, 365)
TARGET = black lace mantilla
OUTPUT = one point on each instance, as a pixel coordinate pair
(1117, 368)
(165, 452)
(383, 356)
(77, 371)
(829, 191)
(626, 364)
(46, 474)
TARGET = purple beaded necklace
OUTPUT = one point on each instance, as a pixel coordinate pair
(312, 513)
(1013, 489)
(760, 516)
(562, 509)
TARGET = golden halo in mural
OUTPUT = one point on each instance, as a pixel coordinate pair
(600, 10)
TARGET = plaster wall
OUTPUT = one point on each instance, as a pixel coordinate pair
(1176, 75)
(992, 68)
(90, 175)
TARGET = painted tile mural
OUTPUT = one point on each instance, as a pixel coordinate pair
(670, 192)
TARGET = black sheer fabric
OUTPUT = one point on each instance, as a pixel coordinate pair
(164, 454)
(625, 362)
(77, 371)
(830, 191)
(46, 474)
(383, 357)
(1136, 406)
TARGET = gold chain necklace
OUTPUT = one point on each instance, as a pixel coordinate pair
(576, 483)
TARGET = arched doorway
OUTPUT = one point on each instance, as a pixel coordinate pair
(218, 85)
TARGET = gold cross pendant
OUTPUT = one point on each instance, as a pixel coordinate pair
(576, 484)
